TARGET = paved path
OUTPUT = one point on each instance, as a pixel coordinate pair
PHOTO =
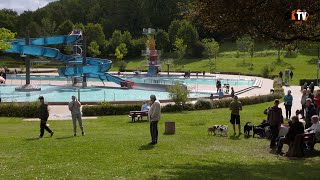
(296, 93)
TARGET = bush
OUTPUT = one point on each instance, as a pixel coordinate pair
(176, 108)
(26, 110)
(109, 109)
(179, 94)
(237, 54)
(265, 71)
(203, 104)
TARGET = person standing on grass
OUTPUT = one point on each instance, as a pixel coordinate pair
(154, 115)
(43, 116)
(74, 107)
(303, 102)
(288, 104)
(275, 119)
(235, 107)
(291, 75)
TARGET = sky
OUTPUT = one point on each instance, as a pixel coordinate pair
(23, 5)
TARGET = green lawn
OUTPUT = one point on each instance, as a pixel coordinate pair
(115, 148)
(302, 66)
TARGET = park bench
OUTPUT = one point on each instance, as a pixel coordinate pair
(137, 114)
(300, 143)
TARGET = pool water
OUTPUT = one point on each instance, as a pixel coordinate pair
(152, 80)
(88, 94)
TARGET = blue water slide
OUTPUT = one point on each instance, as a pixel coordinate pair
(95, 68)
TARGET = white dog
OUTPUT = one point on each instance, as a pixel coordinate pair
(221, 130)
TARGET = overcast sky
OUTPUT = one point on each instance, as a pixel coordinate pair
(22, 5)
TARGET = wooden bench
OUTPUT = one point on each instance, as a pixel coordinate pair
(137, 114)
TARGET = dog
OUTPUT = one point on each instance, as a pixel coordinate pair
(261, 129)
(247, 128)
(221, 130)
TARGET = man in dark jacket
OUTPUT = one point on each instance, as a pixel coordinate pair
(310, 111)
(275, 119)
(43, 116)
(296, 127)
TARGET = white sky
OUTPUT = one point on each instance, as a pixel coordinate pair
(22, 5)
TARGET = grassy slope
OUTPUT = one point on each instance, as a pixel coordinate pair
(115, 148)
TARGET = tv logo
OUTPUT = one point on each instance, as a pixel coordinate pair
(299, 15)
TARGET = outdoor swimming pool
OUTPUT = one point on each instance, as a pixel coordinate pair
(88, 94)
(152, 80)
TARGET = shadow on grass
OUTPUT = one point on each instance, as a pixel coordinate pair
(221, 169)
(146, 147)
(232, 137)
(65, 137)
(140, 121)
(36, 138)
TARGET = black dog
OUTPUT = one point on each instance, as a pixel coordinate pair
(260, 129)
(247, 128)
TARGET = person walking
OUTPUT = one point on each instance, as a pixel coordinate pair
(74, 107)
(303, 102)
(288, 104)
(275, 119)
(154, 115)
(235, 106)
(43, 116)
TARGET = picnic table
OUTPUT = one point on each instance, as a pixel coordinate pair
(137, 114)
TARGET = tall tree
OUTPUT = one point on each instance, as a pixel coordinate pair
(94, 32)
(269, 19)
(48, 27)
(162, 40)
(94, 49)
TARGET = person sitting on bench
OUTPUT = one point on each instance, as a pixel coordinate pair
(145, 107)
(315, 128)
(296, 127)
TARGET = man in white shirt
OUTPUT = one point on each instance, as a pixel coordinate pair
(315, 125)
(74, 107)
(154, 114)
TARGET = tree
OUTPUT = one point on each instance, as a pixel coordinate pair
(94, 49)
(48, 27)
(94, 32)
(258, 18)
(244, 44)
(180, 48)
(8, 19)
(118, 54)
(179, 94)
(173, 30)
(65, 28)
(116, 39)
(211, 49)
(123, 49)
(188, 33)
(5, 35)
(162, 40)
(34, 29)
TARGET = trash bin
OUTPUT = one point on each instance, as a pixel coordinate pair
(170, 127)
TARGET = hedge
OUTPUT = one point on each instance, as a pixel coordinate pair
(27, 110)
(104, 109)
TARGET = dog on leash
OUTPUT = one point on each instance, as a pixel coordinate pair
(247, 128)
(221, 130)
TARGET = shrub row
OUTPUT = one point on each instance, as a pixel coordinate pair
(27, 110)
(201, 104)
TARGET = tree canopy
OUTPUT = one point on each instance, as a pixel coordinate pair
(269, 19)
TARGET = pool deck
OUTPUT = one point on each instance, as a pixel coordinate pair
(61, 112)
